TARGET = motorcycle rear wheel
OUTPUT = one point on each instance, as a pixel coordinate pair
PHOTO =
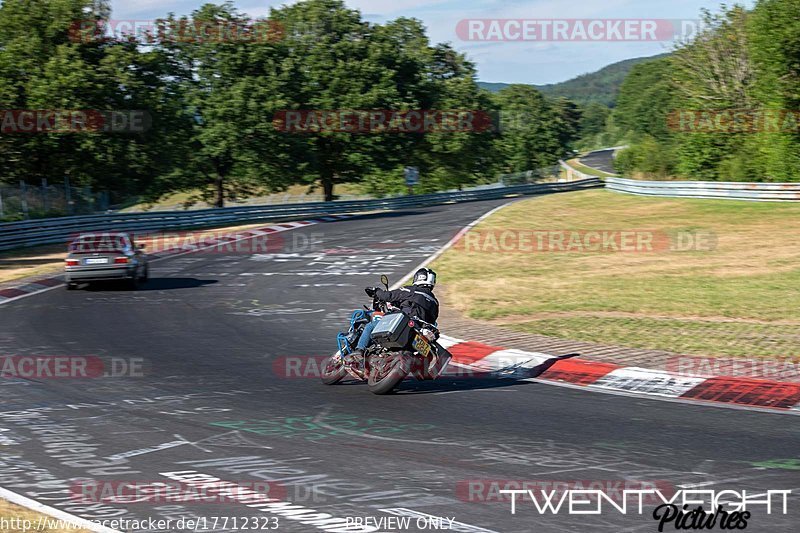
(383, 379)
(333, 370)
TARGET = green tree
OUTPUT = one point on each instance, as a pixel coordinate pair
(593, 120)
(645, 100)
(232, 84)
(775, 49)
(529, 139)
(713, 72)
(334, 63)
(46, 65)
(567, 120)
(453, 159)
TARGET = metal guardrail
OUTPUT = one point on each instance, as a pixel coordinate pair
(729, 190)
(527, 176)
(62, 229)
(764, 192)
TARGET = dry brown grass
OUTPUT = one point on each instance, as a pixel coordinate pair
(750, 277)
(14, 515)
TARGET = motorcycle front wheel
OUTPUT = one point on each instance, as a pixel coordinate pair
(333, 370)
(386, 374)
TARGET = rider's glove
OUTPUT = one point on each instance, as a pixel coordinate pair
(371, 291)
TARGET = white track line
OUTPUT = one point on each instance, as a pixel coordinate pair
(8, 300)
(450, 243)
(299, 224)
(23, 501)
(587, 388)
(647, 396)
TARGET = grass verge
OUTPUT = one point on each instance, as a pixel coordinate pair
(589, 170)
(296, 193)
(19, 519)
(737, 293)
(49, 259)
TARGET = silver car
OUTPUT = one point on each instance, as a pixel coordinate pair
(105, 256)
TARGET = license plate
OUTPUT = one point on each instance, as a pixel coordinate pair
(95, 261)
(421, 345)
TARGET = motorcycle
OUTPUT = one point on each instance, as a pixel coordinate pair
(401, 345)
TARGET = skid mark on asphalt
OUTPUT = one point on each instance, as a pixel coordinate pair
(326, 412)
(145, 451)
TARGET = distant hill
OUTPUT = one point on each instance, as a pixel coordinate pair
(601, 86)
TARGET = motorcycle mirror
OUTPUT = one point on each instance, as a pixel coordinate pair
(385, 281)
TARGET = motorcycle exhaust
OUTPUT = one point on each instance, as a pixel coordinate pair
(434, 367)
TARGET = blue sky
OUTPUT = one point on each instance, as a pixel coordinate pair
(512, 62)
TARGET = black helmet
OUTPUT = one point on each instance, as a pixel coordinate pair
(425, 277)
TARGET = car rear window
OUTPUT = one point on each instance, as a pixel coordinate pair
(98, 243)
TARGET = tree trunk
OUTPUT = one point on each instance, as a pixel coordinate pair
(219, 182)
(327, 186)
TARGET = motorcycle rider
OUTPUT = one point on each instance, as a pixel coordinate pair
(416, 300)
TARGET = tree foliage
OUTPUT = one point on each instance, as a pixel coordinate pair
(44, 67)
(745, 62)
(213, 100)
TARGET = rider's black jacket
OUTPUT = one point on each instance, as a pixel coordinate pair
(413, 301)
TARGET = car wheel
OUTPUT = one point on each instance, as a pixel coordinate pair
(133, 283)
(72, 286)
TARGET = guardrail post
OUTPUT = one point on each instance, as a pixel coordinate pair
(87, 194)
(67, 195)
(44, 196)
(24, 198)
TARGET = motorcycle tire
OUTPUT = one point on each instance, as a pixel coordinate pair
(332, 373)
(384, 378)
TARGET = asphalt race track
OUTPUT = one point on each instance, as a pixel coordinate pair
(601, 160)
(220, 335)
